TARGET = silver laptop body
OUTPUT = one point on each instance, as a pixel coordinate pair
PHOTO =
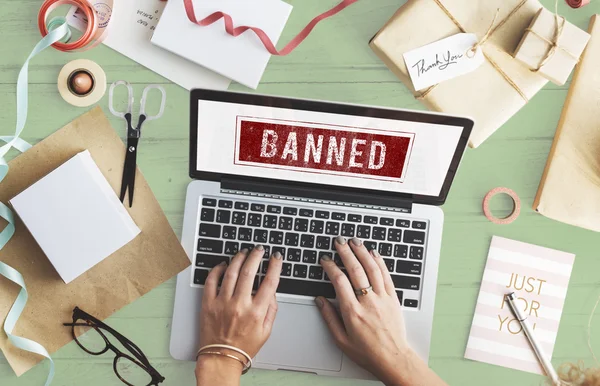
(300, 340)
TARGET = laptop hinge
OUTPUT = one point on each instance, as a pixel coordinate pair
(316, 194)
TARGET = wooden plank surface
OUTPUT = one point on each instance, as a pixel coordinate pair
(335, 64)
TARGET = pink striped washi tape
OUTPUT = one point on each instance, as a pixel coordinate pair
(488, 213)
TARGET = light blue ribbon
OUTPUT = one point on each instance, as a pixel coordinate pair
(58, 30)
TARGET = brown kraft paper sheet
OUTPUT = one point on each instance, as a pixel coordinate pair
(485, 95)
(570, 187)
(154, 256)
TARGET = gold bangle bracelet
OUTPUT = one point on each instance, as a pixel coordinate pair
(245, 366)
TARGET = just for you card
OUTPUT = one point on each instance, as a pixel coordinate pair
(539, 277)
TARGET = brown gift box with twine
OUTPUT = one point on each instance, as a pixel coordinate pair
(492, 93)
(551, 46)
(570, 187)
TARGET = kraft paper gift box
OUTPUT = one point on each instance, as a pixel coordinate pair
(551, 46)
(492, 93)
(570, 188)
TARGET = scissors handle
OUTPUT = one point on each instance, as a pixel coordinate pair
(120, 114)
(145, 97)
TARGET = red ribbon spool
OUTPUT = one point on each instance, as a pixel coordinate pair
(92, 26)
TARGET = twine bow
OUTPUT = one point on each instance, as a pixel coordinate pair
(554, 46)
(493, 28)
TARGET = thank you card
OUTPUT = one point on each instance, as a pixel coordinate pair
(443, 60)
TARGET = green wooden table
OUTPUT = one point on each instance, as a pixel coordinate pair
(336, 64)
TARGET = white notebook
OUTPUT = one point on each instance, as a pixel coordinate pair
(75, 216)
(242, 58)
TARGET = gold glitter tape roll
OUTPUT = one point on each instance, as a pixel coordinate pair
(82, 83)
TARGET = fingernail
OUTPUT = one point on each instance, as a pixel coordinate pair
(244, 251)
(340, 240)
(319, 302)
(259, 247)
(356, 242)
(375, 253)
(326, 258)
(277, 256)
(223, 263)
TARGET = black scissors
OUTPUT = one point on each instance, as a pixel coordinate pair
(133, 133)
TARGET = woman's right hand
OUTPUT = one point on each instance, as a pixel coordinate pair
(371, 328)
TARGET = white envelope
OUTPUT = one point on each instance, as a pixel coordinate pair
(243, 58)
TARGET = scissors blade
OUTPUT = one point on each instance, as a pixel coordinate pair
(125, 182)
(132, 184)
(123, 189)
(128, 180)
(124, 179)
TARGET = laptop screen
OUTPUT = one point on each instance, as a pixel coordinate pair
(318, 146)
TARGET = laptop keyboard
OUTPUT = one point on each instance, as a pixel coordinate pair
(303, 235)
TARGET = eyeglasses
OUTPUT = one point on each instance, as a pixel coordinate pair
(133, 370)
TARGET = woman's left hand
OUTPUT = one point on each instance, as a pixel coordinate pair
(232, 315)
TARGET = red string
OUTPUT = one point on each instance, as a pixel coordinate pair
(264, 38)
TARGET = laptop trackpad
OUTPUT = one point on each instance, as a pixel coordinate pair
(300, 338)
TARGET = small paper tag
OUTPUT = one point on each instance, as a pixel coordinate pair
(443, 60)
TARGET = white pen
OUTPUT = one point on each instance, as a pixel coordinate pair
(539, 352)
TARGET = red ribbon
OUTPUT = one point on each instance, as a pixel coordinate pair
(264, 38)
(577, 3)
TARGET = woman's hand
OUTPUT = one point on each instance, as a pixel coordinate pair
(232, 315)
(371, 328)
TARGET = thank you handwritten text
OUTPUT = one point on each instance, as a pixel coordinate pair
(441, 63)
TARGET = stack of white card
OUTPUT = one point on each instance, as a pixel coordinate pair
(75, 216)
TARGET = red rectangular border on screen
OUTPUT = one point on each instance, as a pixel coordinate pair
(322, 148)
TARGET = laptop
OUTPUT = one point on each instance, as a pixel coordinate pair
(293, 174)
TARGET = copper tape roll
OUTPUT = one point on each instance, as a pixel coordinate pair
(82, 83)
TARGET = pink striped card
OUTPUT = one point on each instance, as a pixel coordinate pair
(540, 278)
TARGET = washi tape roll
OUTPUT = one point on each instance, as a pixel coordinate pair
(82, 83)
(488, 213)
(577, 3)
